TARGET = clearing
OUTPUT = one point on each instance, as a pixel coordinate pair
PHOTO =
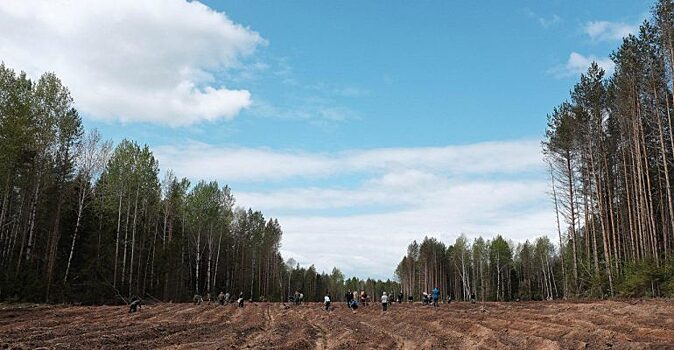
(631, 324)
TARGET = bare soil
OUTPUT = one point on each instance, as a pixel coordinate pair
(633, 324)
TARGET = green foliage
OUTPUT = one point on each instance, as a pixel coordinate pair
(646, 279)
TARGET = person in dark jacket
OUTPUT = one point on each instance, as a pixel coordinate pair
(135, 304)
(348, 296)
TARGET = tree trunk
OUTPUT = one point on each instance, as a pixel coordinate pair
(80, 207)
(119, 223)
(133, 241)
(569, 170)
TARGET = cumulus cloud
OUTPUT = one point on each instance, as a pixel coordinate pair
(578, 64)
(381, 198)
(608, 31)
(149, 61)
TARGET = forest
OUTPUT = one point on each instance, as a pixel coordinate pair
(609, 149)
(83, 220)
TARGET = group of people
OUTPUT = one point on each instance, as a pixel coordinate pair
(354, 296)
(223, 298)
(428, 299)
(353, 299)
(297, 298)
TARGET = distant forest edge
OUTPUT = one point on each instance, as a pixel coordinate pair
(610, 151)
(83, 221)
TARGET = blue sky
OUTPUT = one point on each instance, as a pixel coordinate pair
(374, 122)
(408, 74)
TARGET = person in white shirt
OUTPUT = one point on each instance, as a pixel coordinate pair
(384, 301)
(326, 301)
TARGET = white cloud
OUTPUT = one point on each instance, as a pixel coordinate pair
(578, 64)
(150, 61)
(545, 22)
(608, 31)
(315, 110)
(548, 22)
(518, 210)
(385, 198)
(250, 164)
(352, 91)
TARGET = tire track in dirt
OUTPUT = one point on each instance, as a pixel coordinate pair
(600, 328)
(343, 331)
(285, 329)
(321, 339)
(321, 334)
(419, 334)
(515, 331)
(197, 326)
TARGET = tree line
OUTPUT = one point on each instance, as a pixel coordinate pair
(83, 220)
(495, 269)
(610, 152)
(610, 149)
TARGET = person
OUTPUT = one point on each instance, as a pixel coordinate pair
(449, 299)
(221, 298)
(227, 297)
(410, 299)
(296, 297)
(436, 296)
(384, 301)
(424, 298)
(354, 305)
(135, 304)
(348, 296)
(472, 298)
(208, 297)
(400, 297)
(326, 301)
(197, 299)
(301, 298)
(240, 300)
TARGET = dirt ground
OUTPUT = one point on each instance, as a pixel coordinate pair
(634, 324)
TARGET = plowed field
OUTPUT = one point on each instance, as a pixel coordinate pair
(525, 325)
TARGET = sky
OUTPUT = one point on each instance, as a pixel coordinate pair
(360, 125)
